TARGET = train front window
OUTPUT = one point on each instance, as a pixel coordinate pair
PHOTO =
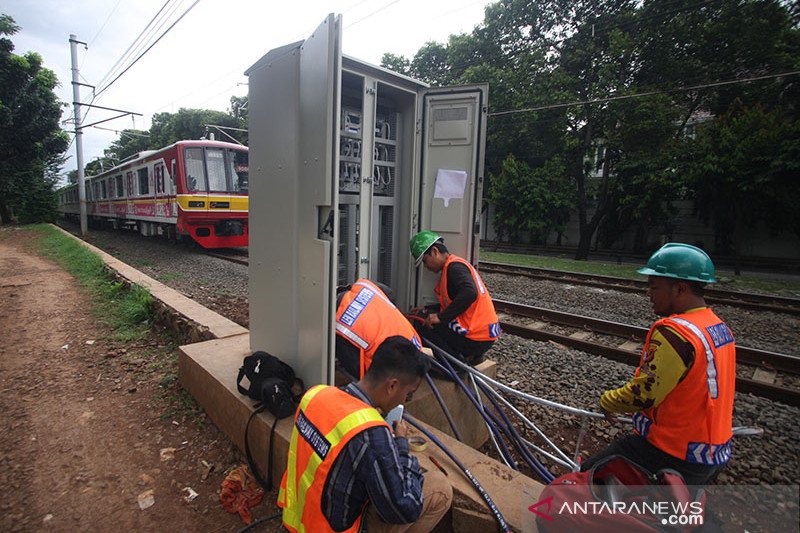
(195, 170)
(240, 170)
(215, 162)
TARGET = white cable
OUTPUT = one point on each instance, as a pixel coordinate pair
(530, 424)
(534, 399)
(486, 423)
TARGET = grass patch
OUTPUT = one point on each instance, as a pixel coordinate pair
(128, 311)
(567, 265)
(745, 283)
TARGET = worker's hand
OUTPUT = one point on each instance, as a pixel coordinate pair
(432, 320)
(611, 418)
(400, 428)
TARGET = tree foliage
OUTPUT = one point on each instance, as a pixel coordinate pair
(554, 64)
(529, 200)
(744, 168)
(168, 128)
(30, 136)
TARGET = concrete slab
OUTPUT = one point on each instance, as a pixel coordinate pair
(208, 370)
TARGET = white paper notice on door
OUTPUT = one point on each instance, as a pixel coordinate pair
(450, 184)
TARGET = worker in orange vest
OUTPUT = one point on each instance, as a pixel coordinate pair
(366, 316)
(681, 395)
(346, 466)
(465, 323)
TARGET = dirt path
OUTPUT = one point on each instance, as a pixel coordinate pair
(85, 417)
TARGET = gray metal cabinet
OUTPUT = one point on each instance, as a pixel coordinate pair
(348, 161)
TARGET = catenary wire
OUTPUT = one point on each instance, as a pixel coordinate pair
(647, 93)
(109, 84)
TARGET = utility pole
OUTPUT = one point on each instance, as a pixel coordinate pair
(76, 102)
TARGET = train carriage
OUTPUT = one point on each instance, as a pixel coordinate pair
(195, 189)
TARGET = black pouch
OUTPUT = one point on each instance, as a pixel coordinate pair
(258, 367)
(271, 382)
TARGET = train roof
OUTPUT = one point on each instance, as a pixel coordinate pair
(187, 143)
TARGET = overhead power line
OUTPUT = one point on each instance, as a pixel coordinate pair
(109, 84)
(104, 24)
(132, 45)
(648, 93)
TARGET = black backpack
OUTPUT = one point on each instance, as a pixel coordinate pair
(271, 382)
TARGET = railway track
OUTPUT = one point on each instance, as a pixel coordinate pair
(232, 255)
(745, 300)
(623, 343)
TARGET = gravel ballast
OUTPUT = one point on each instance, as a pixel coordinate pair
(540, 368)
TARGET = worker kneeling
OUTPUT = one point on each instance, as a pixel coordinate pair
(346, 466)
(464, 324)
(681, 396)
(365, 317)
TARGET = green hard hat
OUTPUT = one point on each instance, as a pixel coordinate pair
(681, 261)
(420, 243)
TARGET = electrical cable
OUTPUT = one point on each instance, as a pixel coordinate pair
(491, 435)
(446, 411)
(475, 483)
(564, 460)
(647, 93)
(258, 521)
(104, 24)
(493, 424)
(109, 84)
(526, 396)
(516, 439)
(132, 45)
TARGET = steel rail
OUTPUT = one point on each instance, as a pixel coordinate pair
(745, 300)
(744, 354)
(630, 356)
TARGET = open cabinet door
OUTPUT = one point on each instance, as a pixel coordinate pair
(293, 121)
(452, 157)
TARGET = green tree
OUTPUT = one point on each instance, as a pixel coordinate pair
(130, 142)
(168, 128)
(239, 110)
(396, 63)
(530, 201)
(743, 168)
(559, 61)
(30, 134)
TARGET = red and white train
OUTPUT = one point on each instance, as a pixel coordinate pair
(196, 189)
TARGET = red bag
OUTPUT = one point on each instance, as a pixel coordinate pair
(619, 495)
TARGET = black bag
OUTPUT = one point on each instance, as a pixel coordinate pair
(271, 382)
(260, 366)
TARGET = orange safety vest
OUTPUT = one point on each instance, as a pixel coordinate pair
(326, 420)
(479, 322)
(693, 422)
(366, 317)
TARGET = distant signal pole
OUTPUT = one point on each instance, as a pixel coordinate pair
(76, 102)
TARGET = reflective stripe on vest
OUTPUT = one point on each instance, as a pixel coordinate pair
(479, 322)
(326, 421)
(693, 422)
(366, 317)
(711, 367)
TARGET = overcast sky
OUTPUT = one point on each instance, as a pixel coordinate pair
(200, 62)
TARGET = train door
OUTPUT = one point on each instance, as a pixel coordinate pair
(163, 208)
(452, 158)
(130, 188)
